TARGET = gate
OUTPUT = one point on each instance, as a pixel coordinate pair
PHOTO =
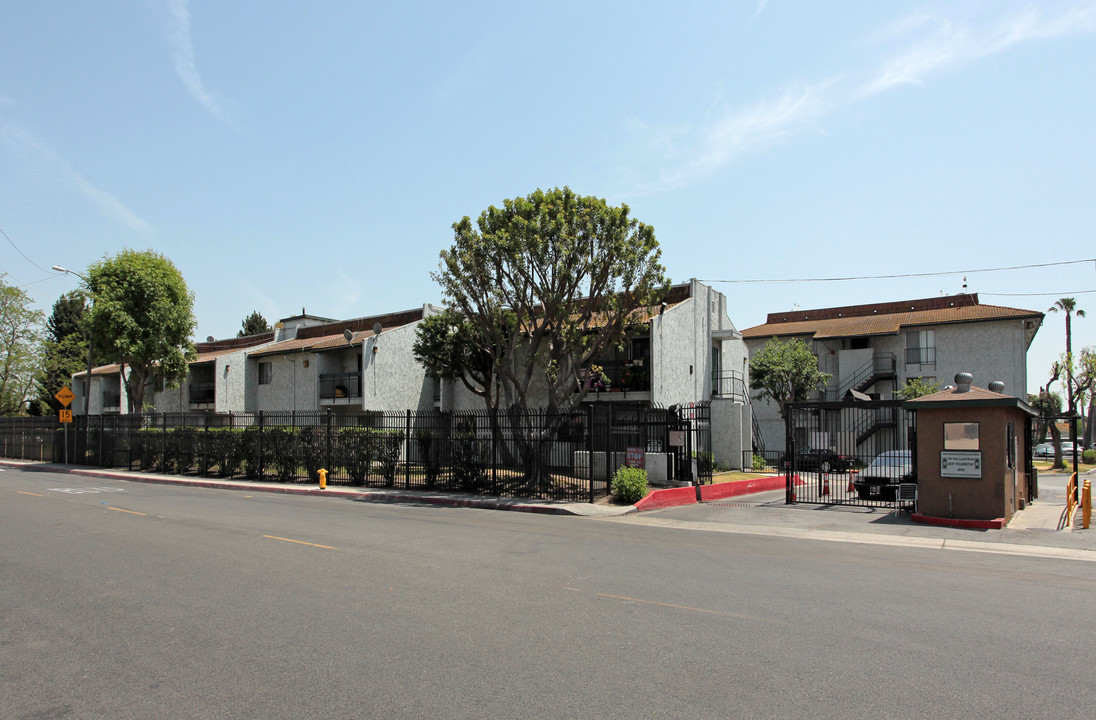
(855, 452)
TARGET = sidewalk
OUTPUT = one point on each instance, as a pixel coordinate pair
(1033, 531)
(363, 494)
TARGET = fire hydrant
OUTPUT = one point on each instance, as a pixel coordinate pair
(323, 478)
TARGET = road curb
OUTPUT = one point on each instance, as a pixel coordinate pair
(374, 496)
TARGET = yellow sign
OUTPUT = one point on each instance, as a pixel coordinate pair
(65, 397)
(66, 416)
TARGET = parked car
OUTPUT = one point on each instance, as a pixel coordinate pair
(882, 477)
(819, 459)
(1046, 450)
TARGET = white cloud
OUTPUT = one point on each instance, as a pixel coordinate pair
(182, 51)
(945, 44)
(47, 162)
(929, 44)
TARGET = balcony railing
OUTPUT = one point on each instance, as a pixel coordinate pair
(730, 384)
(921, 356)
(203, 393)
(340, 385)
(627, 376)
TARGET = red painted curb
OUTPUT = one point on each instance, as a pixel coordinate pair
(744, 487)
(668, 497)
(995, 524)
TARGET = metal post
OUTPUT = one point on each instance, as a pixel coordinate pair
(407, 453)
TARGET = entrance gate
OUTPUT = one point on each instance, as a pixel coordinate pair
(855, 452)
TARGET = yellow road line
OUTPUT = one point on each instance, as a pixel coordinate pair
(299, 542)
(694, 609)
(131, 512)
(28, 493)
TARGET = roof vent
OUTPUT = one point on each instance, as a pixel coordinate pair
(997, 386)
(963, 381)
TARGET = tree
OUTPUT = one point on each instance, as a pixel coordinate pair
(540, 288)
(20, 347)
(916, 387)
(65, 348)
(445, 346)
(786, 371)
(142, 317)
(1086, 375)
(254, 324)
(1049, 405)
(1069, 307)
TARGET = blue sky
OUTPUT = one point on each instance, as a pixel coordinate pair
(289, 155)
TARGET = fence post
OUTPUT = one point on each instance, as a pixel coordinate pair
(493, 422)
(407, 453)
(327, 444)
(589, 451)
(261, 458)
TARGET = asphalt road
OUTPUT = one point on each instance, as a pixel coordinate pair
(125, 600)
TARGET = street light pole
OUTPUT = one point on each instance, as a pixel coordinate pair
(87, 387)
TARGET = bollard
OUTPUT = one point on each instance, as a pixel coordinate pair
(1086, 504)
(323, 478)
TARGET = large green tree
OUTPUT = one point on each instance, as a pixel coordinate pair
(541, 287)
(20, 347)
(1068, 307)
(253, 324)
(785, 371)
(142, 316)
(65, 348)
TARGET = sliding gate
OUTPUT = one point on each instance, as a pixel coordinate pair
(854, 452)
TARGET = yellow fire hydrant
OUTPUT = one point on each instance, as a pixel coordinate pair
(323, 478)
(1086, 504)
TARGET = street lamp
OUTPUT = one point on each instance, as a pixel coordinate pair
(87, 387)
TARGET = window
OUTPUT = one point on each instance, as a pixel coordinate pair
(921, 347)
(858, 343)
(265, 373)
(960, 436)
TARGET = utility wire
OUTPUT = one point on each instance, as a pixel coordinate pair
(1064, 293)
(903, 275)
(24, 254)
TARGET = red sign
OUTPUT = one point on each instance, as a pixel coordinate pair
(633, 457)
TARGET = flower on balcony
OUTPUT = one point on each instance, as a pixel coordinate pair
(597, 380)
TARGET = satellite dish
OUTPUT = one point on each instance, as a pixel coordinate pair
(377, 328)
(209, 338)
(348, 335)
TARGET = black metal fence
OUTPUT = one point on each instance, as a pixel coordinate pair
(851, 453)
(569, 456)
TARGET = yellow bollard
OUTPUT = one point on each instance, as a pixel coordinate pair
(1086, 504)
(323, 478)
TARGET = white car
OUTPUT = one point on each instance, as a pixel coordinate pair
(1046, 450)
(882, 477)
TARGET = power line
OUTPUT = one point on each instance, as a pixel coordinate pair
(1064, 293)
(903, 275)
(22, 253)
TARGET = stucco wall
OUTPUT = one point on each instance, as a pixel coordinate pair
(293, 387)
(391, 377)
(992, 496)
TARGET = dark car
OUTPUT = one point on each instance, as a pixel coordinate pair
(886, 472)
(819, 459)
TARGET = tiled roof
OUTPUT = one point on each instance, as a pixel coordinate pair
(884, 318)
(101, 370)
(973, 397)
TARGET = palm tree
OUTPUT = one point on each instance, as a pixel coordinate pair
(1069, 307)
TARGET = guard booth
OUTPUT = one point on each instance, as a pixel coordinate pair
(973, 454)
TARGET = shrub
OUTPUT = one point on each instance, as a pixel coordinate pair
(387, 448)
(430, 455)
(468, 461)
(758, 461)
(1088, 457)
(357, 453)
(312, 443)
(283, 452)
(629, 485)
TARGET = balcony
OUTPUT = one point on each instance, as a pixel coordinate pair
(340, 386)
(627, 376)
(111, 401)
(202, 393)
(921, 356)
(730, 384)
